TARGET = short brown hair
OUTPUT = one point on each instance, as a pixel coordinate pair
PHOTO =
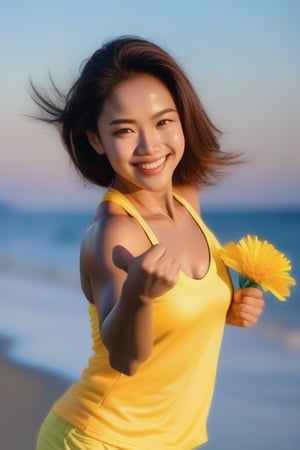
(115, 61)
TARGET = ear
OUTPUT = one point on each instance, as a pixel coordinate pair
(95, 142)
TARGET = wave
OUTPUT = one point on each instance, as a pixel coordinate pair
(50, 274)
(281, 331)
(285, 336)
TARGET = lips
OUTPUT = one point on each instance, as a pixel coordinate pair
(149, 166)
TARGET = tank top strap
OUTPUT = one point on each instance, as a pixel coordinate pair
(115, 196)
(208, 234)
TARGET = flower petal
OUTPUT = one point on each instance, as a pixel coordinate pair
(260, 263)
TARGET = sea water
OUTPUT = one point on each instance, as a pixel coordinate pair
(44, 312)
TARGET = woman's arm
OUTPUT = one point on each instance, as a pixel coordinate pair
(125, 277)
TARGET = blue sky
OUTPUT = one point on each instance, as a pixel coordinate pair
(242, 56)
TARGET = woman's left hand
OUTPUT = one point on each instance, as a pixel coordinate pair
(246, 307)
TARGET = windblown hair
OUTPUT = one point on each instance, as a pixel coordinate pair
(77, 112)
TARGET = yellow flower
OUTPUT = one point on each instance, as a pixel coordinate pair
(259, 263)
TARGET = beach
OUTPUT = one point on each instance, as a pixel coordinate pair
(45, 338)
(248, 412)
(256, 402)
(26, 395)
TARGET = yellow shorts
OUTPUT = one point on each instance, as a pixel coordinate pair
(57, 434)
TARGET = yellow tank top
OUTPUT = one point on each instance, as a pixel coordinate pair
(165, 405)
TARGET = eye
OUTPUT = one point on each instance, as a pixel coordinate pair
(164, 122)
(123, 132)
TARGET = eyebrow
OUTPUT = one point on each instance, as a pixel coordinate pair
(155, 116)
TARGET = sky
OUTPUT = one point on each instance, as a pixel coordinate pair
(241, 56)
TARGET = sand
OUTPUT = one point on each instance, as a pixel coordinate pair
(26, 396)
(256, 404)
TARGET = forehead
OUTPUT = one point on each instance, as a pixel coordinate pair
(142, 92)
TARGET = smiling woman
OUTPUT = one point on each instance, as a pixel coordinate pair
(82, 105)
(159, 294)
(141, 134)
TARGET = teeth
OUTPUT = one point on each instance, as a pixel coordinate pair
(153, 165)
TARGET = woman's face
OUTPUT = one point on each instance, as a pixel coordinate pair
(141, 134)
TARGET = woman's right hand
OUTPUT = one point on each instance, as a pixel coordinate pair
(150, 274)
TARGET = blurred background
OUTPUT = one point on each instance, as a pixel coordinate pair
(243, 59)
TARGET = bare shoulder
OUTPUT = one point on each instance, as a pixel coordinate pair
(190, 193)
(110, 227)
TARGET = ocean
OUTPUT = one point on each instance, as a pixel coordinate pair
(42, 310)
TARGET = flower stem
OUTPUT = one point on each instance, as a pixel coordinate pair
(246, 282)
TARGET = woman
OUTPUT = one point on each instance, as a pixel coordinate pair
(159, 295)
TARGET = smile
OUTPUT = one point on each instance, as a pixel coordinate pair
(153, 165)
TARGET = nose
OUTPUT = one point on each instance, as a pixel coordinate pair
(148, 143)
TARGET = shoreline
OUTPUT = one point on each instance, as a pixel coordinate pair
(26, 396)
(256, 402)
(246, 395)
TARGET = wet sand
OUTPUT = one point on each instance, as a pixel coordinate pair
(256, 403)
(26, 396)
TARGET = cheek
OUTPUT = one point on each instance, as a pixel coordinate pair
(120, 150)
(181, 140)
(176, 137)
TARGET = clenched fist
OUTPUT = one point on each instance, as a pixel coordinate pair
(246, 307)
(150, 274)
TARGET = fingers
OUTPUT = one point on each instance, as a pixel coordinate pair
(166, 269)
(150, 274)
(161, 269)
(251, 298)
(249, 292)
(152, 256)
(155, 261)
(122, 258)
(246, 307)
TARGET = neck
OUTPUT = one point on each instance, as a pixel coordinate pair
(151, 203)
